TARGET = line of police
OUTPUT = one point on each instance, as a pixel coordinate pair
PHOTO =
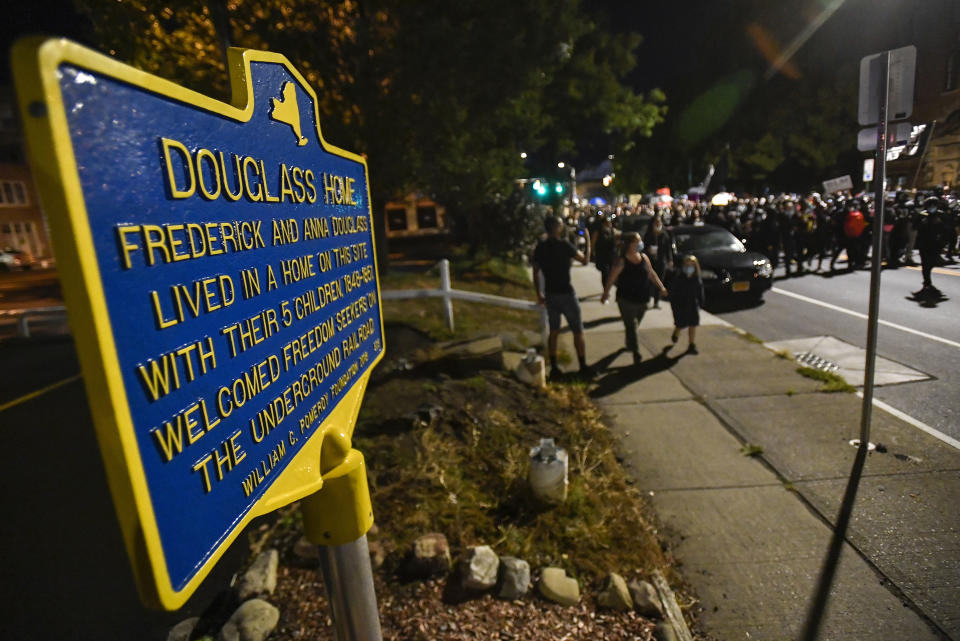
(798, 230)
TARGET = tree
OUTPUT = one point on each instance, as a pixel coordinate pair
(439, 95)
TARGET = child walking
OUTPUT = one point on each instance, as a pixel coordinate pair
(686, 298)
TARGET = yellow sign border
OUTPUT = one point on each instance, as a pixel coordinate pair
(35, 64)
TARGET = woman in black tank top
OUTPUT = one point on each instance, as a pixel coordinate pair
(632, 272)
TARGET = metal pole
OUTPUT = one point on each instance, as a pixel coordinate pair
(817, 608)
(445, 286)
(544, 328)
(349, 581)
(879, 199)
(23, 324)
(220, 16)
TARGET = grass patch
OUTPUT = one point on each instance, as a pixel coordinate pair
(489, 276)
(784, 354)
(465, 475)
(831, 382)
(751, 337)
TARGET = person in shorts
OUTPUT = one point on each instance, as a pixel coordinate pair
(552, 258)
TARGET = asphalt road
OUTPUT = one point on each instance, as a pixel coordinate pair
(932, 347)
(65, 571)
(28, 287)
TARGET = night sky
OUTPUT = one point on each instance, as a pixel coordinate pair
(681, 37)
(30, 17)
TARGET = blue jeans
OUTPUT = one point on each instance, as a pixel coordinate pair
(632, 313)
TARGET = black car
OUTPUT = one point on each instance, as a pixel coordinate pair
(727, 268)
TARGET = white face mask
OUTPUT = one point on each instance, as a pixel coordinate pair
(688, 270)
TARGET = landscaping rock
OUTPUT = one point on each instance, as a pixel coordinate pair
(377, 554)
(253, 621)
(425, 415)
(430, 557)
(261, 578)
(479, 568)
(182, 631)
(514, 578)
(665, 632)
(645, 599)
(556, 586)
(304, 549)
(615, 594)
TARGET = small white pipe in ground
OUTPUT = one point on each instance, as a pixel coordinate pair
(548, 471)
(531, 370)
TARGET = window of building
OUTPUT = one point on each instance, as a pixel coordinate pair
(427, 217)
(951, 77)
(396, 219)
(13, 193)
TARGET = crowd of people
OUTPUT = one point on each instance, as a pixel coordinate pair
(634, 252)
(803, 233)
(631, 270)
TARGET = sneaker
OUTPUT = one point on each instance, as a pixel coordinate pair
(587, 373)
(637, 359)
(692, 348)
(555, 373)
(675, 336)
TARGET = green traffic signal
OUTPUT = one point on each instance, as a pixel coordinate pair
(559, 188)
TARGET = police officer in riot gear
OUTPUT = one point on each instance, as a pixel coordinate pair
(928, 225)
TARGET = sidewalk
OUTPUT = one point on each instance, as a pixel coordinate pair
(751, 533)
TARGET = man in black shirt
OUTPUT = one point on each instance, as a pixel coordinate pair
(552, 259)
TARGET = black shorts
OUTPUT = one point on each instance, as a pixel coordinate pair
(568, 306)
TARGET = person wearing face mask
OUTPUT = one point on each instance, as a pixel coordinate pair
(658, 246)
(686, 299)
(633, 274)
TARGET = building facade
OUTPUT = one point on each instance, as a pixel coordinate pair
(22, 225)
(933, 26)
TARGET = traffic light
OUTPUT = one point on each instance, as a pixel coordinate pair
(539, 188)
(558, 188)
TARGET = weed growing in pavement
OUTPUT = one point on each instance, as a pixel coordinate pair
(791, 392)
(750, 337)
(831, 382)
(749, 449)
(784, 354)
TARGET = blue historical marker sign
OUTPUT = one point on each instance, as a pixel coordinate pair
(218, 264)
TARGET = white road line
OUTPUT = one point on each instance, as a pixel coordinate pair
(949, 440)
(844, 310)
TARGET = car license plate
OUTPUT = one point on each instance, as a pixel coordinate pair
(741, 286)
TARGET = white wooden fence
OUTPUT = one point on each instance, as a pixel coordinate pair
(448, 294)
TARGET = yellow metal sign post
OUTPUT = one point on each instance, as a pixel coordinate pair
(218, 265)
